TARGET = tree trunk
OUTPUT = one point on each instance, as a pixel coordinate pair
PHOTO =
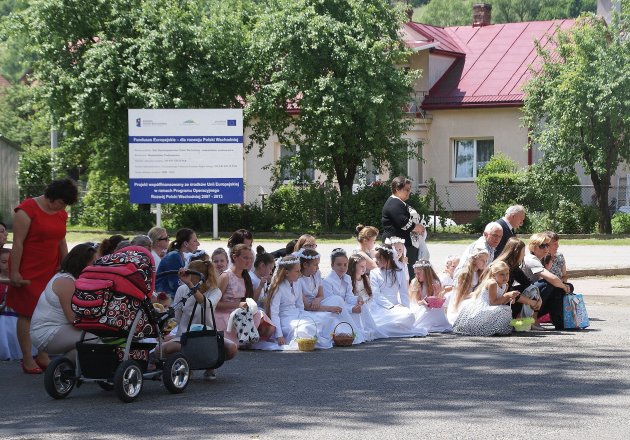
(345, 173)
(601, 185)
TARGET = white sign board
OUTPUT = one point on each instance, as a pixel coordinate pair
(186, 156)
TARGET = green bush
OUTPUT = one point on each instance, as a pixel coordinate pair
(552, 198)
(621, 223)
(196, 217)
(306, 208)
(106, 205)
(34, 172)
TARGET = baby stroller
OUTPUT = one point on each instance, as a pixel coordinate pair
(112, 300)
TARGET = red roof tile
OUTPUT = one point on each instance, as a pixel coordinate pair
(495, 64)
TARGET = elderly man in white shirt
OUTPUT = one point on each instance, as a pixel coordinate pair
(489, 240)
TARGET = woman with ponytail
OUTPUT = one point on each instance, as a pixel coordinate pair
(185, 241)
(236, 286)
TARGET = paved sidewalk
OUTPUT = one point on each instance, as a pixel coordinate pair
(541, 385)
(577, 256)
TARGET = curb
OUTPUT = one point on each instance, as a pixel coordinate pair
(583, 273)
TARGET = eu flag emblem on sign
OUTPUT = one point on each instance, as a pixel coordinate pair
(231, 122)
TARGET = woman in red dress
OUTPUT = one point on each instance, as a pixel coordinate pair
(39, 245)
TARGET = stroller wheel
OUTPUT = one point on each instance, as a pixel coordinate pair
(128, 380)
(176, 373)
(59, 378)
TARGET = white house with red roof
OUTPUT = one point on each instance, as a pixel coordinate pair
(466, 106)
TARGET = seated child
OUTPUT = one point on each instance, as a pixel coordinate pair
(489, 312)
(426, 284)
(390, 307)
(9, 346)
(285, 306)
(207, 296)
(338, 284)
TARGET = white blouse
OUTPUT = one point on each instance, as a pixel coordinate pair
(287, 299)
(340, 286)
(389, 289)
(310, 285)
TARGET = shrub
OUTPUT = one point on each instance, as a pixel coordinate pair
(34, 171)
(107, 205)
(312, 207)
(621, 223)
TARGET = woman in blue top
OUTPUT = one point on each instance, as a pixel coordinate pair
(185, 241)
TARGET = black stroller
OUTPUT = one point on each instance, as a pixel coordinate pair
(112, 301)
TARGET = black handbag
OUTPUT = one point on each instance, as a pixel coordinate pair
(205, 348)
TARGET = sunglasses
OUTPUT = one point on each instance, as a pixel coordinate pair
(163, 238)
(543, 246)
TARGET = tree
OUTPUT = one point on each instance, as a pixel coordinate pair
(97, 59)
(459, 12)
(447, 13)
(336, 61)
(577, 103)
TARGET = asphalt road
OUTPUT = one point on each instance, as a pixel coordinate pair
(556, 385)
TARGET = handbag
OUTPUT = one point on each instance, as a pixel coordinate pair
(574, 312)
(242, 322)
(205, 348)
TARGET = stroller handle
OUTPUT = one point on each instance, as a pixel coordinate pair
(175, 272)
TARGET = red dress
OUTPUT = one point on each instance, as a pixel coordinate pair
(40, 257)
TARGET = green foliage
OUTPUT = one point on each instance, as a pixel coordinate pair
(576, 103)
(24, 119)
(34, 172)
(459, 12)
(96, 59)
(552, 197)
(337, 61)
(106, 205)
(447, 13)
(311, 207)
(621, 223)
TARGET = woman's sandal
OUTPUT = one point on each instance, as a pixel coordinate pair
(34, 370)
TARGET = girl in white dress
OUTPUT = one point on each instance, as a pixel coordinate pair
(390, 305)
(261, 275)
(220, 260)
(446, 276)
(328, 310)
(366, 236)
(285, 306)
(427, 284)
(466, 281)
(360, 284)
(489, 313)
(400, 255)
(338, 284)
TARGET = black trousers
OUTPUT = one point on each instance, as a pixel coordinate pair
(412, 257)
(552, 298)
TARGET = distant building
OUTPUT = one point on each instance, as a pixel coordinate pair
(9, 192)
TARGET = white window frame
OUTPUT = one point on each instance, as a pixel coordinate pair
(454, 177)
(308, 171)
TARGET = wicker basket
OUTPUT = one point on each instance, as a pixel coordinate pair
(306, 343)
(522, 324)
(343, 339)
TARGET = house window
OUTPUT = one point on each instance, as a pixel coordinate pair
(470, 155)
(286, 173)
